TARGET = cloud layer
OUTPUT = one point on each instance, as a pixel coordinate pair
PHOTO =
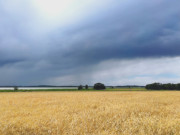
(60, 42)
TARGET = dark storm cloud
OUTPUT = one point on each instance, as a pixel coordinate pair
(150, 29)
(5, 62)
(122, 30)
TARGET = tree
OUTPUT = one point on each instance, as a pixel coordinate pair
(86, 87)
(154, 86)
(99, 86)
(15, 88)
(178, 86)
(159, 86)
(80, 87)
(169, 86)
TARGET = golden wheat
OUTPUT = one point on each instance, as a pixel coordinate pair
(78, 113)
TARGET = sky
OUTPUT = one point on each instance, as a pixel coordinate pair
(73, 42)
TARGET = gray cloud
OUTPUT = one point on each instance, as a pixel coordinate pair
(125, 72)
(143, 31)
(64, 46)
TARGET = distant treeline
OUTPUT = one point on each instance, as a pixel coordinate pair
(160, 86)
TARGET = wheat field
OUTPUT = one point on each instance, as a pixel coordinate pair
(90, 113)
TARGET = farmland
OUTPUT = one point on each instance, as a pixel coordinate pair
(126, 112)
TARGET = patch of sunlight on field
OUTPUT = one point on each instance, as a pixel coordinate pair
(41, 113)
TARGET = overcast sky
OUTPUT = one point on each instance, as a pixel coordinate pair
(72, 42)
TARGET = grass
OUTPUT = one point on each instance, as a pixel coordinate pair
(127, 89)
(38, 90)
(90, 89)
(98, 113)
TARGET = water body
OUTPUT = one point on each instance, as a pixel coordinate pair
(35, 88)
